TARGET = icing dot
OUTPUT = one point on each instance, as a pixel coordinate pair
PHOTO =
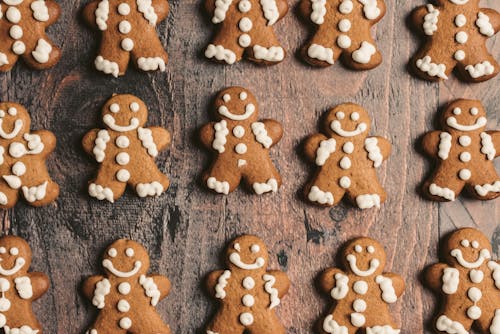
(2, 113)
(114, 108)
(123, 9)
(238, 131)
(465, 156)
(358, 248)
(124, 288)
(460, 20)
(360, 287)
(343, 41)
(237, 247)
(457, 111)
(19, 168)
(370, 249)
(248, 300)
(123, 175)
(112, 252)
(241, 148)
(124, 27)
(476, 276)
(345, 182)
(465, 243)
(475, 244)
(355, 116)
(344, 25)
(226, 98)
(129, 252)
(248, 283)
(461, 37)
(459, 55)
(249, 108)
(3, 250)
(127, 44)
(125, 323)
(340, 115)
(246, 319)
(348, 147)
(244, 6)
(245, 24)
(16, 32)
(13, 15)
(464, 174)
(359, 305)
(255, 248)
(474, 111)
(14, 251)
(122, 158)
(19, 48)
(12, 111)
(243, 96)
(123, 306)
(346, 7)
(134, 106)
(345, 163)
(464, 141)
(244, 40)
(122, 142)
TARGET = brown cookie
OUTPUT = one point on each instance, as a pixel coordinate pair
(22, 33)
(241, 144)
(125, 150)
(22, 159)
(247, 292)
(465, 153)
(343, 30)
(362, 292)
(128, 30)
(346, 158)
(245, 27)
(455, 33)
(469, 283)
(126, 296)
(19, 288)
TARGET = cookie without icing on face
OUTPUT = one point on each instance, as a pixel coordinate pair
(346, 159)
(22, 33)
(468, 283)
(247, 292)
(455, 33)
(126, 150)
(241, 144)
(465, 154)
(127, 296)
(343, 31)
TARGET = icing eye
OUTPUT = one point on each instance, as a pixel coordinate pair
(14, 251)
(370, 249)
(457, 111)
(3, 250)
(465, 243)
(243, 96)
(129, 252)
(226, 97)
(114, 108)
(340, 115)
(237, 247)
(355, 116)
(358, 248)
(255, 248)
(474, 111)
(134, 106)
(249, 108)
(12, 111)
(475, 244)
(112, 252)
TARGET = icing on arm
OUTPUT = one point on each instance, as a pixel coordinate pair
(161, 137)
(88, 141)
(374, 146)
(495, 139)
(89, 286)
(495, 272)
(430, 143)
(311, 146)
(212, 282)
(23, 287)
(47, 138)
(274, 130)
(161, 9)
(418, 18)
(327, 280)
(434, 274)
(89, 13)
(493, 16)
(384, 146)
(39, 283)
(397, 283)
(207, 135)
(163, 285)
(282, 283)
(386, 286)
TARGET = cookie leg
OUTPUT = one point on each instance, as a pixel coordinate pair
(149, 181)
(224, 49)
(150, 323)
(267, 324)
(148, 54)
(7, 58)
(112, 59)
(265, 47)
(433, 64)
(225, 324)
(485, 187)
(262, 177)
(222, 177)
(320, 51)
(42, 53)
(324, 190)
(477, 65)
(490, 320)
(444, 185)
(106, 186)
(445, 324)
(103, 325)
(380, 322)
(337, 323)
(366, 192)
(360, 55)
(8, 195)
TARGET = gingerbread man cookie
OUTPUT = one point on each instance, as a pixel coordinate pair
(246, 27)
(247, 291)
(22, 159)
(363, 292)
(22, 33)
(346, 158)
(469, 283)
(343, 29)
(455, 32)
(125, 150)
(18, 287)
(465, 153)
(128, 30)
(241, 143)
(126, 296)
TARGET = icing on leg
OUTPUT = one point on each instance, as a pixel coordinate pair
(151, 56)
(225, 324)
(433, 65)
(336, 324)
(223, 176)
(150, 182)
(447, 325)
(263, 177)
(444, 185)
(109, 60)
(475, 68)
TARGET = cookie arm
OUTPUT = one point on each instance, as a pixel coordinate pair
(89, 14)
(211, 281)
(397, 283)
(384, 146)
(282, 283)
(161, 137)
(210, 7)
(382, 7)
(282, 7)
(163, 284)
(161, 9)
(54, 11)
(274, 130)
(430, 143)
(417, 18)
(48, 139)
(88, 141)
(327, 280)
(88, 286)
(311, 146)
(305, 8)
(39, 283)
(433, 276)
(494, 17)
(207, 135)
(495, 138)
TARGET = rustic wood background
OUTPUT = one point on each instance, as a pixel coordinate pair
(186, 229)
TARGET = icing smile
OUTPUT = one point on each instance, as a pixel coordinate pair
(452, 122)
(109, 265)
(374, 263)
(484, 254)
(110, 121)
(17, 266)
(249, 110)
(236, 260)
(459, 2)
(337, 128)
(13, 2)
(17, 127)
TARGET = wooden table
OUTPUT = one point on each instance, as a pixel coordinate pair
(186, 229)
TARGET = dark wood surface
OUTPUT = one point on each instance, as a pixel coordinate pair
(186, 229)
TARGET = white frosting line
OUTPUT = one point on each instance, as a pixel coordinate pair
(483, 190)
(102, 289)
(326, 147)
(106, 263)
(221, 131)
(432, 69)
(221, 8)
(374, 153)
(318, 11)
(220, 53)
(364, 54)
(431, 20)
(148, 11)
(374, 264)
(235, 259)
(271, 12)
(272, 54)
(484, 25)
(102, 15)
(221, 284)
(273, 292)
(341, 287)
(322, 197)
(480, 69)
(444, 192)
(444, 145)
(320, 52)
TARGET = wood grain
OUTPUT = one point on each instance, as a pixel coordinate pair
(186, 228)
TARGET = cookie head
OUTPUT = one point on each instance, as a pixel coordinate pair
(123, 113)
(468, 248)
(236, 104)
(464, 115)
(364, 257)
(14, 121)
(125, 258)
(15, 256)
(248, 253)
(348, 120)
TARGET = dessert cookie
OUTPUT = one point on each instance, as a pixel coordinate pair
(455, 32)
(125, 150)
(469, 283)
(22, 159)
(465, 153)
(247, 291)
(19, 288)
(241, 143)
(343, 30)
(346, 158)
(246, 27)
(22, 33)
(363, 292)
(128, 31)
(126, 297)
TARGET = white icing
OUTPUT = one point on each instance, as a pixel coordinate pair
(337, 128)
(272, 54)
(271, 291)
(244, 6)
(221, 132)
(484, 254)
(100, 192)
(374, 264)
(248, 300)
(461, 37)
(13, 14)
(102, 289)
(220, 53)
(243, 96)
(388, 292)
(344, 25)
(386, 329)
(18, 125)
(482, 190)
(348, 147)
(270, 185)
(484, 25)
(12, 181)
(464, 174)
(360, 287)
(465, 157)
(364, 54)
(345, 163)
(359, 305)
(248, 283)
(106, 66)
(221, 8)
(431, 20)
(368, 201)
(326, 147)
(332, 327)
(241, 162)
(35, 193)
(151, 64)
(150, 288)
(474, 294)
(106, 263)
(449, 326)
(459, 55)
(246, 319)
(235, 259)
(127, 44)
(23, 287)
(148, 11)
(480, 69)
(240, 148)
(222, 187)
(271, 12)
(249, 110)
(345, 182)
(320, 52)
(3, 59)
(495, 268)
(476, 276)
(432, 69)
(221, 284)
(245, 24)
(112, 252)
(260, 133)
(344, 41)
(322, 197)
(238, 131)
(122, 141)
(444, 192)
(244, 40)
(146, 137)
(125, 323)
(374, 154)
(124, 288)
(370, 9)
(346, 7)
(154, 188)
(125, 27)
(19, 168)
(123, 9)
(16, 32)
(318, 11)
(357, 319)
(495, 323)
(460, 20)
(355, 116)
(341, 287)
(123, 306)
(25, 329)
(102, 15)
(40, 10)
(487, 147)
(110, 121)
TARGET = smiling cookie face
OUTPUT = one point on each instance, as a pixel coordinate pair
(364, 257)
(14, 121)
(15, 256)
(236, 104)
(464, 115)
(123, 113)
(348, 120)
(125, 259)
(247, 252)
(468, 248)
